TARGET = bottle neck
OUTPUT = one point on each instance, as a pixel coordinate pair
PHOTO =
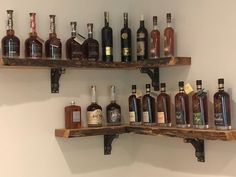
(90, 34)
(199, 87)
(181, 89)
(163, 89)
(113, 94)
(148, 90)
(106, 21)
(52, 27)
(90, 31)
(33, 25)
(73, 29)
(133, 91)
(126, 22)
(221, 87)
(168, 24)
(93, 95)
(142, 24)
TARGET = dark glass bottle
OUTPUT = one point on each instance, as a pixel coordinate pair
(222, 107)
(182, 107)
(163, 107)
(142, 41)
(148, 107)
(53, 44)
(72, 116)
(33, 45)
(155, 40)
(199, 107)
(113, 110)
(168, 38)
(10, 43)
(90, 45)
(73, 48)
(134, 108)
(94, 111)
(125, 35)
(107, 40)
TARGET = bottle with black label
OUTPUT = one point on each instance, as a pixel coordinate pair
(113, 110)
(142, 41)
(125, 35)
(107, 40)
(222, 107)
(72, 116)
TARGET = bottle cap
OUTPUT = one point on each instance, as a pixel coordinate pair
(221, 81)
(142, 17)
(73, 23)
(10, 11)
(163, 85)
(198, 82)
(181, 83)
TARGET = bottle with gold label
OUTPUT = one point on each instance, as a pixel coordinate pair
(72, 116)
(94, 111)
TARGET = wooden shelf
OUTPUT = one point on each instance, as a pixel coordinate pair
(83, 64)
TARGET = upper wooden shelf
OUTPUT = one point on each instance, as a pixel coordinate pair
(46, 63)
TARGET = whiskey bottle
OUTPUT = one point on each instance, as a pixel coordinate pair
(72, 116)
(134, 108)
(168, 38)
(199, 107)
(163, 107)
(155, 40)
(113, 110)
(33, 45)
(107, 40)
(222, 107)
(53, 44)
(142, 41)
(94, 111)
(148, 107)
(182, 107)
(125, 35)
(73, 48)
(10, 43)
(90, 45)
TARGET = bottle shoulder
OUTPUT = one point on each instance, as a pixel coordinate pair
(221, 93)
(179, 95)
(93, 106)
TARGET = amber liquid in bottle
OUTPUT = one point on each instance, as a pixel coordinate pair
(94, 111)
(168, 38)
(72, 116)
(73, 48)
(182, 107)
(142, 41)
(163, 117)
(10, 43)
(199, 107)
(135, 117)
(33, 45)
(155, 40)
(148, 107)
(222, 108)
(90, 45)
(53, 44)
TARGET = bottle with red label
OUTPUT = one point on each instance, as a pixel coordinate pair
(72, 116)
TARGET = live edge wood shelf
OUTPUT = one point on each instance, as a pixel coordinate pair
(150, 67)
(194, 136)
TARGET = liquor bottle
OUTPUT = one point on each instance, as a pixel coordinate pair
(33, 45)
(125, 35)
(94, 111)
(72, 116)
(113, 110)
(10, 43)
(222, 107)
(107, 40)
(90, 45)
(163, 107)
(53, 44)
(199, 107)
(148, 107)
(134, 108)
(182, 107)
(155, 40)
(168, 38)
(142, 41)
(73, 48)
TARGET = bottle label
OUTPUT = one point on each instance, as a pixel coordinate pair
(93, 50)
(126, 51)
(219, 119)
(79, 39)
(132, 116)
(197, 118)
(94, 117)
(140, 48)
(54, 51)
(108, 51)
(179, 117)
(11, 49)
(124, 35)
(146, 117)
(141, 36)
(161, 117)
(76, 51)
(35, 50)
(76, 116)
(114, 116)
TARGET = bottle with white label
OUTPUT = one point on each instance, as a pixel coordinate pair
(72, 116)
(148, 107)
(94, 111)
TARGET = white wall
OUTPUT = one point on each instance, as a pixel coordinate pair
(29, 112)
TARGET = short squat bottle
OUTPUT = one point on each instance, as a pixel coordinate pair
(199, 107)
(72, 116)
(222, 107)
(148, 107)
(182, 107)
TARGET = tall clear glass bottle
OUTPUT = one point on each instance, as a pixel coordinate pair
(168, 37)
(155, 40)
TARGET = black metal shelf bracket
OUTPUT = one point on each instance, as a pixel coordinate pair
(108, 139)
(55, 77)
(154, 75)
(198, 145)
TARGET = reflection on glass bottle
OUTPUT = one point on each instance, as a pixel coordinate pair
(72, 116)
(222, 107)
(168, 37)
(155, 40)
